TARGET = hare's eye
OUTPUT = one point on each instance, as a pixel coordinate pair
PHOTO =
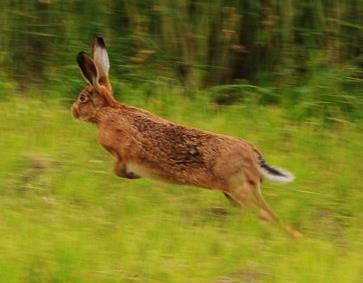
(82, 98)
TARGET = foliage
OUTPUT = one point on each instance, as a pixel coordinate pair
(284, 48)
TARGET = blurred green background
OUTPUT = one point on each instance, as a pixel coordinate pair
(285, 75)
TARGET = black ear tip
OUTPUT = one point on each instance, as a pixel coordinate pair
(80, 57)
(100, 42)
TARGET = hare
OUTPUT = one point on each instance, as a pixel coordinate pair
(145, 145)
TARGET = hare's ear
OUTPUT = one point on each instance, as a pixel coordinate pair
(88, 68)
(100, 57)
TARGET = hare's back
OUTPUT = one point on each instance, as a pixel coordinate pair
(184, 155)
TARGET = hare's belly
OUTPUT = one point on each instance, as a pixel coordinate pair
(152, 173)
(172, 176)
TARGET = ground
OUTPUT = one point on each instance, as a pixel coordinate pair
(65, 217)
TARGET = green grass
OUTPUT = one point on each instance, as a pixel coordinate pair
(64, 217)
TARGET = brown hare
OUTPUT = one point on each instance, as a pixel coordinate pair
(145, 145)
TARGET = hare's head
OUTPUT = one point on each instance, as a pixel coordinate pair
(98, 93)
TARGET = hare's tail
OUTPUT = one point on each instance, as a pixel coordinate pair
(274, 174)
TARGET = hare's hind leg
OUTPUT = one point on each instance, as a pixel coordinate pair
(240, 196)
(232, 200)
(268, 214)
(249, 193)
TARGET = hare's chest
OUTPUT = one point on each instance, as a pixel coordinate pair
(114, 142)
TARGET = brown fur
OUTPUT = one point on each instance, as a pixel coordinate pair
(145, 145)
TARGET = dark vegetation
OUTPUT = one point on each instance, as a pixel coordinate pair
(305, 55)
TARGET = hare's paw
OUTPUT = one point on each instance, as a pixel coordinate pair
(121, 171)
(131, 175)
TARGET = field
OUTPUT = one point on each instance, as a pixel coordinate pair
(64, 216)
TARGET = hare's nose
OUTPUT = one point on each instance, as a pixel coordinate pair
(75, 111)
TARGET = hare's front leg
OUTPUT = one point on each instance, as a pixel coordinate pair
(121, 170)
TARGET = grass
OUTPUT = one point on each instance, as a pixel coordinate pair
(65, 217)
